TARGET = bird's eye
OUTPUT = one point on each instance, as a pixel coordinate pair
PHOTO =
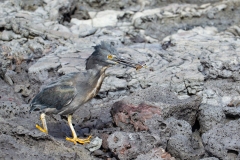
(110, 56)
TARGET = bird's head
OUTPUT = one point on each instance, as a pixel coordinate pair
(106, 55)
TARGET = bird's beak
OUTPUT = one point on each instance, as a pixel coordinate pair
(122, 61)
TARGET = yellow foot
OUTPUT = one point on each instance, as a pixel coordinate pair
(81, 141)
(41, 129)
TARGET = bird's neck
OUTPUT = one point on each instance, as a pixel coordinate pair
(96, 80)
(99, 77)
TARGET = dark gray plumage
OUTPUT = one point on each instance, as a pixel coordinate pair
(65, 95)
(99, 55)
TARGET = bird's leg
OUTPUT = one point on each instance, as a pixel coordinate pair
(44, 129)
(75, 139)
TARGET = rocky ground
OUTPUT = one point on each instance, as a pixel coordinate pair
(184, 105)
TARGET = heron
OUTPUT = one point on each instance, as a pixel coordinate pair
(70, 91)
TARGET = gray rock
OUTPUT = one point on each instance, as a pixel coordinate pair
(40, 44)
(130, 145)
(30, 5)
(39, 76)
(105, 18)
(156, 154)
(209, 116)
(45, 63)
(232, 111)
(179, 127)
(59, 9)
(13, 148)
(83, 30)
(23, 89)
(7, 77)
(95, 144)
(178, 137)
(10, 109)
(222, 140)
(181, 147)
(9, 35)
(210, 158)
(220, 92)
(223, 65)
(232, 108)
(113, 83)
(67, 70)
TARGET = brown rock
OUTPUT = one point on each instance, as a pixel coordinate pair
(127, 114)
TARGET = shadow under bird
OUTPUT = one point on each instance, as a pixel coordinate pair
(68, 93)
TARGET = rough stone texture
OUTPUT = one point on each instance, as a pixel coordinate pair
(190, 47)
(126, 145)
(135, 109)
(210, 116)
(224, 144)
(157, 153)
(129, 117)
(233, 108)
(224, 66)
(220, 103)
(210, 158)
(176, 133)
(189, 13)
(95, 144)
(181, 147)
(15, 135)
(181, 142)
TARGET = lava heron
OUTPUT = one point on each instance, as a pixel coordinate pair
(68, 93)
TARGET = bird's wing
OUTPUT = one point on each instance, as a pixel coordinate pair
(55, 95)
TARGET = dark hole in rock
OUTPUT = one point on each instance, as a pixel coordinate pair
(114, 125)
(196, 126)
(120, 77)
(24, 96)
(179, 124)
(232, 117)
(231, 154)
(163, 126)
(98, 97)
(135, 117)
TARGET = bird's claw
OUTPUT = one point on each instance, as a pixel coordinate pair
(41, 129)
(78, 140)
